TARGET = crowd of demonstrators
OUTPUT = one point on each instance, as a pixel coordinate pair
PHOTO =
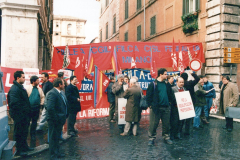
(133, 96)
(228, 98)
(73, 99)
(210, 96)
(46, 87)
(170, 80)
(36, 99)
(111, 100)
(159, 96)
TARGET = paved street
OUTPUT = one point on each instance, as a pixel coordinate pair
(100, 140)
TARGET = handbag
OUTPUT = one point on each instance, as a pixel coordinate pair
(143, 102)
(214, 108)
(232, 112)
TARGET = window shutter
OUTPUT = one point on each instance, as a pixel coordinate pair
(126, 36)
(187, 6)
(139, 33)
(184, 7)
(153, 25)
(114, 24)
(139, 4)
(101, 36)
(197, 5)
(126, 9)
(106, 31)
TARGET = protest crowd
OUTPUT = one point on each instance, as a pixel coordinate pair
(58, 101)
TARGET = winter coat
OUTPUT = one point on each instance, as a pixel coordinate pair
(153, 95)
(72, 95)
(207, 86)
(118, 91)
(133, 96)
(18, 102)
(47, 86)
(200, 96)
(111, 96)
(230, 96)
(175, 90)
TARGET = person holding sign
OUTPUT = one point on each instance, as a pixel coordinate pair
(159, 96)
(174, 117)
(133, 96)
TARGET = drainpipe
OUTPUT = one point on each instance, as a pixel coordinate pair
(144, 21)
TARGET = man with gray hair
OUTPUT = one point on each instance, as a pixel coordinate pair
(117, 90)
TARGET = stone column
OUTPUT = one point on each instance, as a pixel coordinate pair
(40, 50)
(222, 27)
(19, 47)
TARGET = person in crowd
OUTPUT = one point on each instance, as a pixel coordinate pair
(61, 75)
(199, 104)
(20, 110)
(73, 98)
(174, 117)
(46, 87)
(36, 99)
(133, 96)
(126, 79)
(189, 85)
(210, 96)
(220, 83)
(229, 97)
(137, 84)
(117, 89)
(159, 96)
(57, 114)
(170, 80)
(111, 100)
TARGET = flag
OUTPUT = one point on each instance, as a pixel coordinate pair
(101, 82)
(153, 70)
(79, 70)
(66, 58)
(89, 65)
(117, 69)
(181, 65)
(174, 58)
(133, 63)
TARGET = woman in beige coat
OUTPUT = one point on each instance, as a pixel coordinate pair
(229, 97)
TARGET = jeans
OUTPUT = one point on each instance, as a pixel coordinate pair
(208, 106)
(196, 120)
(71, 122)
(164, 115)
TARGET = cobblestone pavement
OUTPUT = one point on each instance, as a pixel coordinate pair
(100, 140)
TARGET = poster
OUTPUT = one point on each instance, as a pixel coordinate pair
(122, 102)
(28, 72)
(185, 105)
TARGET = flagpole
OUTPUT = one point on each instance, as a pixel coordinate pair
(95, 87)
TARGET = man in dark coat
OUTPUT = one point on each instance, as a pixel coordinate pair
(73, 98)
(111, 99)
(189, 85)
(159, 98)
(56, 116)
(19, 110)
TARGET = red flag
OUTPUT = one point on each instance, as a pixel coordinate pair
(79, 70)
(153, 70)
(174, 58)
(181, 64)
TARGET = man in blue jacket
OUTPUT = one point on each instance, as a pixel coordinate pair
(210, 96)
(111, 100)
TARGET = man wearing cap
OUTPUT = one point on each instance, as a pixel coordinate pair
(118, 91)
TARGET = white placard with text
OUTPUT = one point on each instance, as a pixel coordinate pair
(122, 102)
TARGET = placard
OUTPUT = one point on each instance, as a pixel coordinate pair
(185, 105)
(28, 72)
(122, 102)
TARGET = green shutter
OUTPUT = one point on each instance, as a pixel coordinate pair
(184, 7)
(197, 5)
(126, 9)
(101, 36)
(106, 31)
(187, 6)
(139, 33)
(126, 36)
(139, 4)
(114, 24)
(153, 25)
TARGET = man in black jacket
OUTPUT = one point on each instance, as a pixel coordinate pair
(111, 99)
(73, 98)
(56, 116)
(19, 110)
(159, 96)
(189, 85)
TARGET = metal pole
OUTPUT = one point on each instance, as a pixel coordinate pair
(144, 21)
(230, 71)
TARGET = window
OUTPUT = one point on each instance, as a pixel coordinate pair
(139, 33)
(126, 9)
(100, 35)
(69, 27)
(190, 6)
(126, 36)
(153, 25)
(106, 31)
(56, 34)
(107, 1)
(57, 25)
(139, 4)
(114, 24)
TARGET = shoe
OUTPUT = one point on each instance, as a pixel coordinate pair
(60, 155)
(112, 121)
(18, 153)
(229, 130)
(122, 134)
(75, 131)
(168, 141)
(197, 128)
(178, 136)
(224, 127)
(73, 134)
(150, 142)
(200, 126)
(205, 121)
(30, 149)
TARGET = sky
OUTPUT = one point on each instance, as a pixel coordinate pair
(85, 9)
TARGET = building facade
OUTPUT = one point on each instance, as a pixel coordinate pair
(68, 30)
(26, 33)
(214, 23)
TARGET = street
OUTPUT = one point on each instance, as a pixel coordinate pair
(100, 140)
